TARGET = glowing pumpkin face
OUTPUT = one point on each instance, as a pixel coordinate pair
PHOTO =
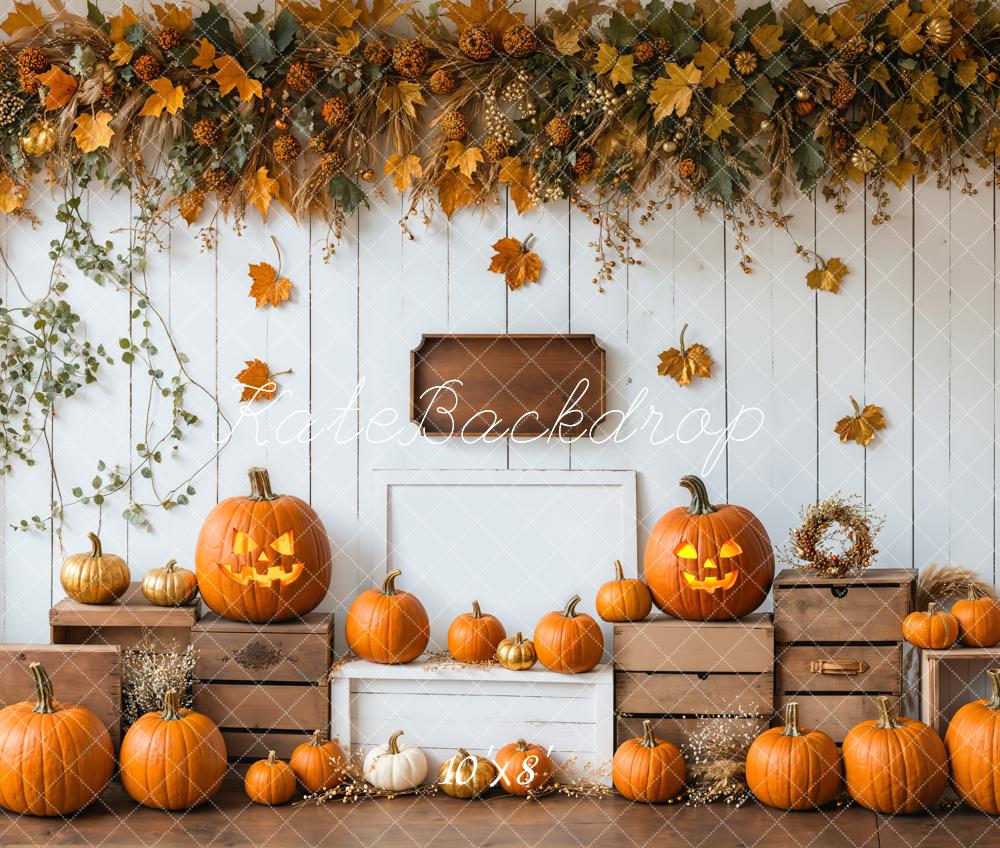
(711, 576)
(264, 557)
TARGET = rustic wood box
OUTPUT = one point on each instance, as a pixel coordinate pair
(951, 679)
(88, 675)
(839, 643)
(681, 673)
(480, 708)
(132, 622)
(265, 685)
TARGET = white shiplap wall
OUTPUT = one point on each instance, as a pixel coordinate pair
(913, 329)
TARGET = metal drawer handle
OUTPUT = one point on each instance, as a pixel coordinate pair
(847, 669)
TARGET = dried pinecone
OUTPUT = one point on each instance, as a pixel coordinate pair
(32, 59)
(331, 164)
(584, 162)
(686, 168)
(476, 42)
(190, 204)
(745, 62)
(302, 76)
(336, 111)
(864, 160)
(410, 58)
(10, 107)
(645, 51)
(215, 179)
(804, 108)
(843, 94)
(147, 68)
(494, 148)
(939, 31)
(519, 41)
(168, 38)
(559, 132)
(853, 49)
(454, 125)
(376, 53)
(285, 148)
(441, 83)
(662, 46)
(207, 132)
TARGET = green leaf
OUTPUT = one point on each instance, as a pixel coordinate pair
(260, 45)
(808, 159)
(96, 16)
(284, 31)
(347, 193)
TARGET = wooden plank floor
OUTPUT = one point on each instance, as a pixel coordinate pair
(498, 822)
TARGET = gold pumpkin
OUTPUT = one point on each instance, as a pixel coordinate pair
(40, 137)
(516, 653)
(169, 586)
(465, 775)
(95, 577)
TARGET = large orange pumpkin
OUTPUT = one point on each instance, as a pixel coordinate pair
(648, 769)
(973, 745)
(54, 759)
(319, 764)
(174, 759)
(934, 629)
(473, 637)
(894, 765)
(623, 599)
(387, 626)
(263, 557)
(568, 641)
(524, 768)
(978, 620)
(793, 769)
(707, 562)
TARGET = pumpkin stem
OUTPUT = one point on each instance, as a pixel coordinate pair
(393, 746)
(521, 746)
(43, 689)
(619, 573)
(648, 740)
(476, 611)
(170, 566)
(171, 705)
(318, 738)
(95, 545)
(570, 609)
(791, 720)
(260, 485)
(389, 584)
(272, 757)
(994, 702)
(932, 609)
(519, 638)
(973, 592)
(886, 721)
(700, 504)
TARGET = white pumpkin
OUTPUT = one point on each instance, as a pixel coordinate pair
(395, 766)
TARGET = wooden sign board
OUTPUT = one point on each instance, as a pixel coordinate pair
(507, 385)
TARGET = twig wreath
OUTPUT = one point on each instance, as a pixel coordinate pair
(836, 538)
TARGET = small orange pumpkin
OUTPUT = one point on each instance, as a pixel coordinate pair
(473, 637)
(973, 745)
(388, 626)
(568, 641)
(648, 769)
(319, 764)
(623, 599)
(793, 769)
(934, 629)
(978, 620)
(270, 782)
(524, 768)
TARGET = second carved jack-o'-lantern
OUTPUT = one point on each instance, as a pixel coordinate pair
(262, 557)
(707, 562)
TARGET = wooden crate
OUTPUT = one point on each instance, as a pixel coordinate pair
(265, 685)
(682, 673)
(479, 708)
(132, 622)
(88, 675)
(950, 679)
(839, 644)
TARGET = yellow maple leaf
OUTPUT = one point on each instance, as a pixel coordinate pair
(465, 159)
(172, 16)
(121, 54)
(516, 262)
(206, 55)
(862, 426)
(493, 14)
(329, 14)
(24, 15)
(618, 68)
(685, 362)
(347, 43)
(383, 13)
(930, 137)
(671, 95)
(454, 191)
(12, 194)
(93, 132)
(901, 172)
(718, 121)
(268, 289)
(816, 32)
(766, 39)
(966, 72)
(60, 87)
(261, 189)
(905, 25)
(165, 96)
(230, 74)
(567, 40)
(403, 170)
(827, 276)
(873, 136)
(120, 23)
(713, 63)
(190, 205)
(257, 381)
(518, 176)
(403, 96)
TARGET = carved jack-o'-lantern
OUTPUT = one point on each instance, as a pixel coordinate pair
(707, 562)
(263, 557)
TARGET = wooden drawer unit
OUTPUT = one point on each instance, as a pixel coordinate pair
(265, 685)
(839, 643)
(680, 673)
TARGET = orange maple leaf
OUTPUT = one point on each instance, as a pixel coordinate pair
(496, 15)
(261, 190)
(93, 131)
(517, 175)
(685, 362)
(60, 87)
(517, 264)
(454, 190)
(165, 95)
(206, 55)
(24, 15)
(257, 381)
(230, 75)
(12, 194)
(862, 426)
(268, 289)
